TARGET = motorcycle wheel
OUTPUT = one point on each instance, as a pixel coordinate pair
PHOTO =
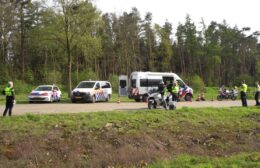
(219, 98)
(233, 97)
(171, 107)
(151, 105)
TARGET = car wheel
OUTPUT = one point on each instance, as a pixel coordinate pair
(51, 99)
(93, 99)
(30, 102)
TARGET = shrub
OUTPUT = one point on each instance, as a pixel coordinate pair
(22, 87)
(53, 77)
(84, 75)
(197, 83)
(114, 80)
(249, 80)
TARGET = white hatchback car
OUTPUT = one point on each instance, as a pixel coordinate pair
(45, 93)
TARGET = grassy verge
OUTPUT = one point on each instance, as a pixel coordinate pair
(245, 160)
(136, 138)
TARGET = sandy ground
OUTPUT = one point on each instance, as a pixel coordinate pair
(46, 108)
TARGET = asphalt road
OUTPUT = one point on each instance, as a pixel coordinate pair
(46, 108)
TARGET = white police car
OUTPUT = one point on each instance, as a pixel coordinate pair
(45, 93)
(92, 91)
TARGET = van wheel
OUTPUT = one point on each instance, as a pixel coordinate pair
(93, 99)
(145, 97)
(137, 100)
(188, 97)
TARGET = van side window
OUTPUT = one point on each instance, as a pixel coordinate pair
(143, 82)
(167, 79)
(149, 82)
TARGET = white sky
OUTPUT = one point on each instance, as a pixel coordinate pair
(243, 13)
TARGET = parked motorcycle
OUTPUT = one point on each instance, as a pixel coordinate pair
(156, 99)
(227, 94)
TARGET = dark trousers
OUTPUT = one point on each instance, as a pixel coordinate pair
(175, 97)
(243, 99)
(9, 105)
(256, 98)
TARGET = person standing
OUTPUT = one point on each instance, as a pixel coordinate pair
(257, 88)
(243, 93)
(10, 98)
(175, 91)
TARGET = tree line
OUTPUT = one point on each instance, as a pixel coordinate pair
(72, 40)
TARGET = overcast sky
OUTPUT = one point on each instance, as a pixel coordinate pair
(243, 13)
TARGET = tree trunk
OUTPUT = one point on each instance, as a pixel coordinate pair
(22, 40)
(68, 54)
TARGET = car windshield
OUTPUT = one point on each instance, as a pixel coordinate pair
(44, 88)
(86, 85)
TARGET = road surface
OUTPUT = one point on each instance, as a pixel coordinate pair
(46, 108)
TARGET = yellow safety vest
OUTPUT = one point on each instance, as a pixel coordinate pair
(244, 88)
(175, 89)
(258, 88)
(8, 91)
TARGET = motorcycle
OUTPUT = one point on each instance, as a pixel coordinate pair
(232, 94)
(156, 99)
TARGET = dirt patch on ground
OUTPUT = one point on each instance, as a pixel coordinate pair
(108, 146)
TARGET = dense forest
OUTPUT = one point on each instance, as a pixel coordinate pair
(72, 40)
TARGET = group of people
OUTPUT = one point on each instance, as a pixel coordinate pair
(244, 91)
(164, 88)
(172, 88)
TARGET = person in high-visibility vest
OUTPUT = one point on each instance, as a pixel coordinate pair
(10, 98)
(243, 93)
(257, 92)
(175, 91)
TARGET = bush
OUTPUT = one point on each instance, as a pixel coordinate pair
(114, 80)
(53, 77)
(249, 80)
(197, 83)
(84, 75)
(22, 87)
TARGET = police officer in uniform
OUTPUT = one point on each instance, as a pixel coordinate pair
(257, 87)
(10, 98)
(175, 91)
(243, 93)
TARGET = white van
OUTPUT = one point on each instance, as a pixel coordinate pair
(92, 91)
(141, 83)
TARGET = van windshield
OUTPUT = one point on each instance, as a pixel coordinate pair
(86, 85)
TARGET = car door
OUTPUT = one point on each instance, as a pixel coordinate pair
(98, 92)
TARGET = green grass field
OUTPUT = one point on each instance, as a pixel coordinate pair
(205, 137)
(243, 160)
